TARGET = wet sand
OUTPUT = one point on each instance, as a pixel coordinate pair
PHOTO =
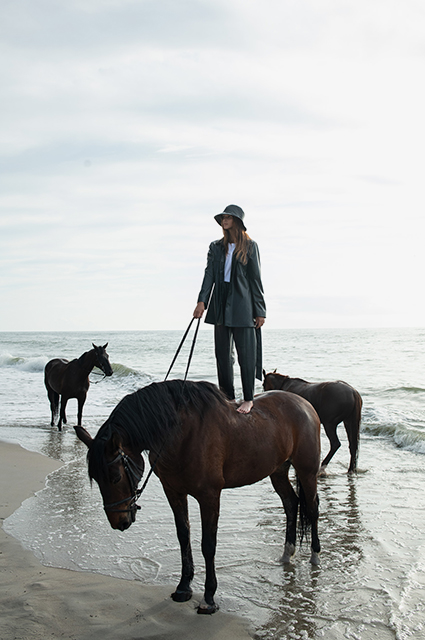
(40, 602)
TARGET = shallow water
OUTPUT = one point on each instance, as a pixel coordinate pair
(371, 582)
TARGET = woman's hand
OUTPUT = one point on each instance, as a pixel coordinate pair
(259, 321)
(199, 310)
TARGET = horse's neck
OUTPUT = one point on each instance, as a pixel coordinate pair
(295, 383)
(88, 361)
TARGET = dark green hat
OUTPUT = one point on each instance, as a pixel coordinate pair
(232, 210)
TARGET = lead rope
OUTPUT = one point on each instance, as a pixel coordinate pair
(151, 470)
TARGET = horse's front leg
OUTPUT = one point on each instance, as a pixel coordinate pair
(210, 510)
(81, 400)
(178, 503)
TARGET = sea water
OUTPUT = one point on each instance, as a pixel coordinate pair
(371, 582)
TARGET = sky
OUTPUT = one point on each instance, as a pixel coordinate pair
(126, 125)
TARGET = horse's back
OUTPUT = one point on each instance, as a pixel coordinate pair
(54, 371)
(330, 399)
(295, 419)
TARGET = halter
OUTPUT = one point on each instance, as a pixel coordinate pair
(134, 476)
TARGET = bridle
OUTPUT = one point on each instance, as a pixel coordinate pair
(134, 475)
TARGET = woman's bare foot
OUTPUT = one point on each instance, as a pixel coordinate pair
(245, 407)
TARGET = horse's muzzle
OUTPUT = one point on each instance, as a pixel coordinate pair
(122, 525)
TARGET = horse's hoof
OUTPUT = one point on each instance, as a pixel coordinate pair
(322, 472)
(207, 609)
(288, 553)
(181, 596)
(315, 559)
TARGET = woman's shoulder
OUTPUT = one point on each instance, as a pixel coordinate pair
(217, 244)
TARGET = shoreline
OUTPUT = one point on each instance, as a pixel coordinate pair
(38, 602)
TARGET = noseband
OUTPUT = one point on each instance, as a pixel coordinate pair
(134, 476)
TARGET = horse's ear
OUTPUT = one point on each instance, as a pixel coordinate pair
(115, 443)
(275, 371)
(264, 373)
(84, 436)
(93, 345)
(105, 345)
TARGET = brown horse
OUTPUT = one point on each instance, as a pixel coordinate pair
(198, 445)
(335, 402)
(71, 380)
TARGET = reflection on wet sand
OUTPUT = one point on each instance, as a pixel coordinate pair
(358, 591)
(301, 607)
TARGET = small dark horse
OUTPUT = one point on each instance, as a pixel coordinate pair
(335, 402)
(71, 380)
(198, 445)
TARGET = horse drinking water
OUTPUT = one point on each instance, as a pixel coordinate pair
(198, 445)
(335, 402)
(67, 380)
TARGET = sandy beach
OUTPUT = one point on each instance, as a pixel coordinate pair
(40, 602)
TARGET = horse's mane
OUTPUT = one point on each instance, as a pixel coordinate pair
(150, 417)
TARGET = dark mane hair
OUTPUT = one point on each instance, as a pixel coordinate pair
(150, 417)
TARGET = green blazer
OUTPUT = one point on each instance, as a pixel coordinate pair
(245, 300)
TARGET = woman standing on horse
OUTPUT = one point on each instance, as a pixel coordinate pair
(233, 291)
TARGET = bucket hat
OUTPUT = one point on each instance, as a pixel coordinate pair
(232, 210)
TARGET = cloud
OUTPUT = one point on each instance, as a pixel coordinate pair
(127, 124)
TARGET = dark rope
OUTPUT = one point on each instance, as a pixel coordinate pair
(151, 470)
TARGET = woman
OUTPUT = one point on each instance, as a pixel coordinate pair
(233, 292)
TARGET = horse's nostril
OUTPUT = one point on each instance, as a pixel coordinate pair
(123, 525)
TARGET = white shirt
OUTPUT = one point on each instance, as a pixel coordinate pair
(228, 263)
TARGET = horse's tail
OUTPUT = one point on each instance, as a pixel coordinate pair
(306, 517)
(352, 427)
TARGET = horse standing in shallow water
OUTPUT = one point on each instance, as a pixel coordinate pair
(67, 380)
(335, 402)
(198, 445)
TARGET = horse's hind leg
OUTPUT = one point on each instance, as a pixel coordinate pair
(178, 503)
(62, 414)
(54, 403)
(283, 488)
(330, 429)
(352, 428)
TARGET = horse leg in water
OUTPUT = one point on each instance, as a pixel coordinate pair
(54, 403)
(330, 430)
(81, 400)
(62, 414)
(283, 488)
(210, 510)
(352, 428)
(178, 503)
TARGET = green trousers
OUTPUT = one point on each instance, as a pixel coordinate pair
(245, 341)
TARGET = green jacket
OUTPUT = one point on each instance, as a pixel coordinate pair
(245, 300)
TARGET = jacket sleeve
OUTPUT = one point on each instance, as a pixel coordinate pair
(209, 279)
(256, 286)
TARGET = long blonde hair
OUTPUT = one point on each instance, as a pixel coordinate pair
(242, 241)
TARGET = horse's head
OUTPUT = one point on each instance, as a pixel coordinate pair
(117, 471)
(274, 381)
(102, 359)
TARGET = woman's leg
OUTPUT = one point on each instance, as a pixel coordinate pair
(246, 347)
(223, 340)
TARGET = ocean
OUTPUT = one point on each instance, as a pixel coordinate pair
(371, 581)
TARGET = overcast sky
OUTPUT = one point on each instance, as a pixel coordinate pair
(127, 124)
